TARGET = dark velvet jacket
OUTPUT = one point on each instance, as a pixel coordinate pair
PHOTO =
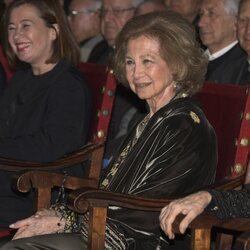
(176, 154)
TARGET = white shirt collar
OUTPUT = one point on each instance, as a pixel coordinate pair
(220, 52)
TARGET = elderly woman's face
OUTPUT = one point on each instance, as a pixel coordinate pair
(147, 73)
(29, 37)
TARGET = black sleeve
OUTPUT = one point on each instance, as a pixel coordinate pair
(231, 204)
(63, 128)
(2, 79)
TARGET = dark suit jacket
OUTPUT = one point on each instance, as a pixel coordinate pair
(227, 68)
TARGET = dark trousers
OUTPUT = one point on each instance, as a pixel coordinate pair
(66, 241)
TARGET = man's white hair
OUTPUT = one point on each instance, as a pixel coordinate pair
(231, 7)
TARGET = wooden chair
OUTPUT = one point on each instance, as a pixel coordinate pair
(228, 109)
(233, 105)
(102, 84)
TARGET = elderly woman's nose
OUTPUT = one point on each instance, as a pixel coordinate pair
(138, 70)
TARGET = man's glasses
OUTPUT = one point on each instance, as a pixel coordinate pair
(115, 12)
(73, 13)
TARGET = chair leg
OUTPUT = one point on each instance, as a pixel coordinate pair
(97, 228)
(43, 198)
(243, 241)
(224, 241)
(200, 239)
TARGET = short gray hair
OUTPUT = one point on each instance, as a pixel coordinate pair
(231, 7)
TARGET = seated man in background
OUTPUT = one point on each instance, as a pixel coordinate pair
(84, 20)
(217, 28)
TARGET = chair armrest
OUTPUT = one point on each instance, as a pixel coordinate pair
(43, 182)
(68, 160)
(98, 196)
(82, 200)
(40, 179)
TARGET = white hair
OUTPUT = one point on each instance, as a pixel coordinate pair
(231, 7)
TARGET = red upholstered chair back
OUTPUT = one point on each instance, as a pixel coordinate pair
(102, 84)
(227, 108)
(3, 60)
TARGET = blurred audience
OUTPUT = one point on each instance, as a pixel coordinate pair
(187, 8)
(150, 6)
(243, 31)
(84, 20)
(217, 26)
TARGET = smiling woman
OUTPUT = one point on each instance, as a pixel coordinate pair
(170, 152)
(44, 109)
(30, 39)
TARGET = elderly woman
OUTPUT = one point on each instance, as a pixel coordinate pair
(170, 152)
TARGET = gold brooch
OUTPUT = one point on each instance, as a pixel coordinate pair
(195, 117)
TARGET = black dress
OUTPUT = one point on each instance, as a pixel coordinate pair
(41, 118)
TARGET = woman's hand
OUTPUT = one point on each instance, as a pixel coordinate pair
(43, 222)
(191, 206)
